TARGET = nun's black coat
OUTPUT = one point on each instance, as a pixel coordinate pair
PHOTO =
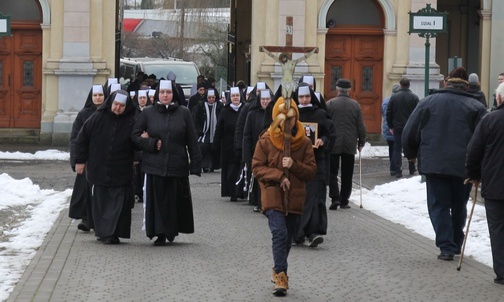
(80, 202)
(104, 144)
(224, 142)
(168, 209)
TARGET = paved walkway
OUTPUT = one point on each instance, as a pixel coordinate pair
(363, 258)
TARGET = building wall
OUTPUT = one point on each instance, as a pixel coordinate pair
(78, 51)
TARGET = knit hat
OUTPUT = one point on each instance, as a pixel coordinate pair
(276, 129)
(395, 88)
(343, 83)
(473, 79)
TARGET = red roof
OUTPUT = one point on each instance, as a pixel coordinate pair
(131, 24)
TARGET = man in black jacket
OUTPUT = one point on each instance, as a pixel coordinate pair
(484, 162)
(438, 131)
(399, 109)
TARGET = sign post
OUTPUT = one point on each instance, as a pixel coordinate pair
(5, 25)
(428, 23)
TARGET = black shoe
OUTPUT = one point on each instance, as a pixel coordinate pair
(334, 205)
(206, 170)
(346, 206)
(160, 241)
(499, 280)
(257, 209)
(447, 257)
(315, 241)
(111, 240)
(170, 238)
(392, 173)
(398, 175)
(412, 172)
(83, 226)
(233, 199)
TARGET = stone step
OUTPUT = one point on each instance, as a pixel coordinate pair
(18, 135)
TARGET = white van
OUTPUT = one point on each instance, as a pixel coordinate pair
(186, 72)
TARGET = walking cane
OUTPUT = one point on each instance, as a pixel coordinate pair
(476, 184)
(360, 178)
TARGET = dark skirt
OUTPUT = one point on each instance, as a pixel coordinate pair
(111, 207)
(314, 218)
(229, 176)
(168, 208)
(80, 202)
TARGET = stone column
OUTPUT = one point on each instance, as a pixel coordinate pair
(497, 45)
(486, 78)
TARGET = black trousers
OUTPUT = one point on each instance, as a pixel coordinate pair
(347, 168)
(495, 217)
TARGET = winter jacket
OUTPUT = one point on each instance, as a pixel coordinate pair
(104, 145)
(439, 130)
(387, 135)
(200, 116)
(346, 115)
(484, 159)
(400, 107)
(478, 94)
(224, 138)
(174, 126)
(267, 168)
(254, 126)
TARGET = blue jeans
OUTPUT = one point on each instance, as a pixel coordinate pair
(447, 202)
(282, 231)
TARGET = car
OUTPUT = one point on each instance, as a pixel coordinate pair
(186, 71)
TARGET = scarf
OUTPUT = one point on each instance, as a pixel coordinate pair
(276, 129)
(305, 106)
(210, 122)
(235, 107)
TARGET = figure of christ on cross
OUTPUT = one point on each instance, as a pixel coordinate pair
(288, 65)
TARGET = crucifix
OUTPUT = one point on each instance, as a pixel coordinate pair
(288, 85)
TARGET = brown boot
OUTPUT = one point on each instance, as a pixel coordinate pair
(281, 285)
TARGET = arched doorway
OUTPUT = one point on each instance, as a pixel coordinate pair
(21, 66)
(354, 50)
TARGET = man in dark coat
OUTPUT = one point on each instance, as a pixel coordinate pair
(438, 131)
(104, 150)
(400, 107)
(195, 99)
(80, 202)
(346, 115)
(474, 88)
(484, 162)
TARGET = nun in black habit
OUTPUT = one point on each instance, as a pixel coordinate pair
(104, 150)
(166, 134)
(80, 202)
(313, 223)
(224, 142)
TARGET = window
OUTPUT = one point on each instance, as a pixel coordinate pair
(28, 73)
(21, 10)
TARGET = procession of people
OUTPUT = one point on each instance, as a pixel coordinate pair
(141, 147)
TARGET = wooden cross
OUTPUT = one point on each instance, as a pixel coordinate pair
(288, 83)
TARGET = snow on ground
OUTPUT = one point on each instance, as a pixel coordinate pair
(50, 154)
(20, 243)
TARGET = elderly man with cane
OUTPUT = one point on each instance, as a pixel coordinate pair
(484, 162)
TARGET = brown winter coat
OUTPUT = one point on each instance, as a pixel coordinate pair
(267, 169)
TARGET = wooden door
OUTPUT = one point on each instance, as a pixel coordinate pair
(21, 79)
(359, 58)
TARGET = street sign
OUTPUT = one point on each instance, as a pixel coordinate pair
(428, 20)
(5, 25)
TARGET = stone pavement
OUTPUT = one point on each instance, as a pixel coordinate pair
(228, 258)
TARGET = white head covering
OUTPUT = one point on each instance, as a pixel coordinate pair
(111, 81)
(142, 93)
(210, 92)
(152, 92)
(164, 84)
(308, 79)
(265, 94)
(261, 86)
(120, 98)
(249, 89)
(304, 90)
(317, 94)
(115, 87)
(97, 89)
(132, 93)
(235, 90)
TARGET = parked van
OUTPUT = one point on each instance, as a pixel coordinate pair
(186, 72)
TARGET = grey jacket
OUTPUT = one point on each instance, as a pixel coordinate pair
(346, 114)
